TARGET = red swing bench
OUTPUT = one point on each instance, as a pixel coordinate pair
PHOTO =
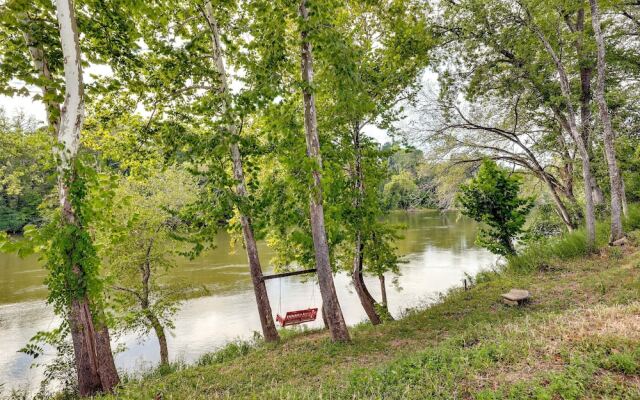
(297, 317)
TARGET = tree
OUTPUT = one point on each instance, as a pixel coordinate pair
(367, 68)
(401, 192)
(617, 190)
(41, 47)
(140, 240)
(331, 306)
(568, 121)
(262, 299)
(512, 50)
(508, 132)
(382, 257)
(491, 198)
(94, 360)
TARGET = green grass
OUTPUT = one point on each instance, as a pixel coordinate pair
(578, 338)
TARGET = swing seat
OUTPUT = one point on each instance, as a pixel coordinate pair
(297, 317)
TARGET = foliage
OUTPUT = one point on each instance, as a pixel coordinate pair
(26, 172)
(491, 198)
(412, 182)
(60, 379)
(65, 246)
(401, 192)
(139, 241)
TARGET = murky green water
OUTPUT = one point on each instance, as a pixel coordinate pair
(438, 247)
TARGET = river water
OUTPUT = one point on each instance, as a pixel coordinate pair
(438, 249)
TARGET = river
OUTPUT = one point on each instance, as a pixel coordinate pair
(438, 249)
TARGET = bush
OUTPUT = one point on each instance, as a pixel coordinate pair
(492, 199)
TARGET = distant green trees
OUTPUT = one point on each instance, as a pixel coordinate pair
(492, 198)
(401, 192)
(411, 183)
(26, 167)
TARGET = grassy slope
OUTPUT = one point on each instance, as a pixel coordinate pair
(579, 338)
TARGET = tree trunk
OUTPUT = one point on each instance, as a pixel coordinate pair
(590, 216)
(383, 290)
(625, 205)
(82, 336)
(367, 301)
(560, 207)
(106, 365)
(90, 355)
(337, 325)
(41, 65)
(162, 338)
(608, 137)
(269, 330)
(324, 319)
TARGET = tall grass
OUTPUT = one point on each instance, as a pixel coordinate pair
(632, 221)
(229, 352)
(543, 253)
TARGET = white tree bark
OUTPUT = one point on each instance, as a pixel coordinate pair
(72, 112)
(608, 137)
(92, 348)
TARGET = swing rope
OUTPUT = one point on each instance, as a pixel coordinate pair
(280, 297)
(313, 294)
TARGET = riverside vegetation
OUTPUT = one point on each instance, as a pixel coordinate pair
(577, 339)
(163, 123)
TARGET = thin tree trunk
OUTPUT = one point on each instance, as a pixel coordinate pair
(569, 123)
(161, 336)
(586, 72)
(625, 205)
(586, 122)
(337, 325)
(608, 137)
(560, 207)
(269, 330)
(367, 301)
(383, 290)
(41, 65)
(90, 351)
(590, 216)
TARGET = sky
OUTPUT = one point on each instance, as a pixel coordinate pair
(13, 105)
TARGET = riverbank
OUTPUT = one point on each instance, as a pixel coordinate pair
(577, 338)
